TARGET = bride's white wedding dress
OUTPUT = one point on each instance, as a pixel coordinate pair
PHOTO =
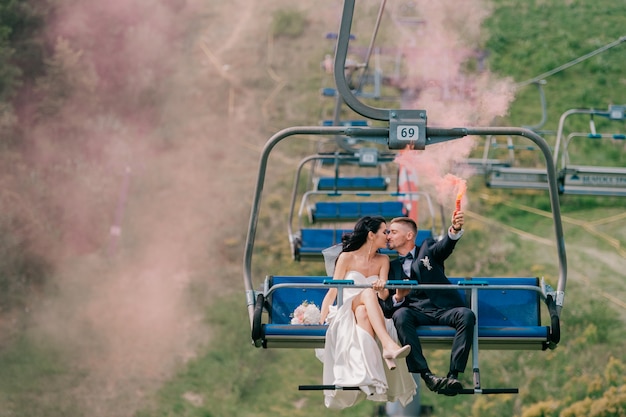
(352, 357)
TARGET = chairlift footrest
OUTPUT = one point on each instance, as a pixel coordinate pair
(480, 391)
(325, 387)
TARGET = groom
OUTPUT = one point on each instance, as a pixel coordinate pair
(412, 308)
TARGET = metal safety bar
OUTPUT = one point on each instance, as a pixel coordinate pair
(411, 285)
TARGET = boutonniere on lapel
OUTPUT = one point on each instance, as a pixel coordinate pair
(426, 262)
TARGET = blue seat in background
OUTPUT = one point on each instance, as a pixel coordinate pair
(325, 211)
(352, 183)
(361, 123)
(348, 210)
(353, 210)
(391, 209)
(314, 241)
(328, 92)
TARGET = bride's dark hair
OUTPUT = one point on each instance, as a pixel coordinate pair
(353, 241)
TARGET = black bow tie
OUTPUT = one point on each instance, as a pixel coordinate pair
(404, 258)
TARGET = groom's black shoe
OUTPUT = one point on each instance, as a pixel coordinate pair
(434, 383)
(451, 386)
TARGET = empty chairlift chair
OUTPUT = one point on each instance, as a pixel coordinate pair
(591, 179)
(329, 218)
(503, 175)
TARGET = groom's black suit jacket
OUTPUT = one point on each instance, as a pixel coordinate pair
(426, 268)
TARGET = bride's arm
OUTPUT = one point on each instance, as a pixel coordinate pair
(331, 295)
(329, 299)
(383, 276)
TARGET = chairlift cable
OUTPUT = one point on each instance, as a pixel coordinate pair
(572, 63)
(371, 45)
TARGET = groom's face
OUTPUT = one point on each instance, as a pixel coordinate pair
(400, 237)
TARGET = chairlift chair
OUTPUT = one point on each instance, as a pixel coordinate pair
(329, 210)
(270, 304)
(506, 175)
(590, 179)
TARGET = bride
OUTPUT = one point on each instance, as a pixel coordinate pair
(357, 329)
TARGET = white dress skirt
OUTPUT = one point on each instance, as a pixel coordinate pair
(353, 358)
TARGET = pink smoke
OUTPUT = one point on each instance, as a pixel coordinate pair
(436, 52)
(434, 165)
(112, 102)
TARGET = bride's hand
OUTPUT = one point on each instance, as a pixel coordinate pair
(378, 285)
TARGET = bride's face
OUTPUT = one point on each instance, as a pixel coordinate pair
(380, 237)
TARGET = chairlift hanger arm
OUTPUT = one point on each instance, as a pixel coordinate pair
(294, 192)
(371, 45)
(341, 54)
(544, 107)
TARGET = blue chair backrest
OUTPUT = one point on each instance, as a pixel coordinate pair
(285, 300)
(352, 210)
(502, 308)
(319, 239)
(316, 240)
(352, 183)
(514, 308)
